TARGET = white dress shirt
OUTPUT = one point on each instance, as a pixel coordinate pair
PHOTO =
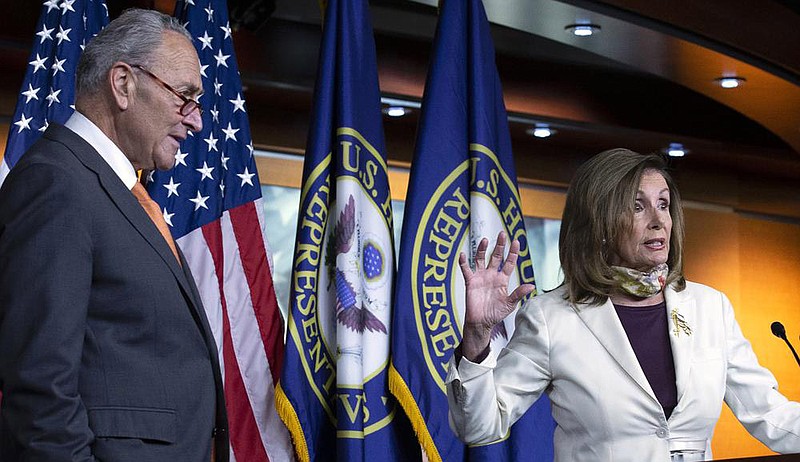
(109, 151)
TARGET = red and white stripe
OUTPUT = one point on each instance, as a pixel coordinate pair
(229, 260)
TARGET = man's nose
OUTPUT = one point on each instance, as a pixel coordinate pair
(194, 120)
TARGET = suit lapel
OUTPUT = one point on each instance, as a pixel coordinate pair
(681, 342)
(123, 199)
(606, 327)
(136, 215)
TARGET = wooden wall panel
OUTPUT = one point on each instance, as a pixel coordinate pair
(3, 139)
(769, 268)
(712, 257)
(711, 250)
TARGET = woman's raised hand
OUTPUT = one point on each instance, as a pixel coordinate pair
(488, 300)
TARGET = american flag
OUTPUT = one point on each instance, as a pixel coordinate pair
(211, 199)
(48, 91)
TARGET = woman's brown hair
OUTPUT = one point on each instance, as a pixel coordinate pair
(598, 211)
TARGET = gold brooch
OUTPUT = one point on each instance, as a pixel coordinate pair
(680, 324)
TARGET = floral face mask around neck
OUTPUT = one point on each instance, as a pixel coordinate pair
(639, 283)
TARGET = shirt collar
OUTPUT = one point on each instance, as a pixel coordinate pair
(109, 151)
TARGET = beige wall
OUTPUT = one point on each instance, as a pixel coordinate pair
(758, 264)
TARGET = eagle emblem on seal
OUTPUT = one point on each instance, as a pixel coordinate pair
(348, 312)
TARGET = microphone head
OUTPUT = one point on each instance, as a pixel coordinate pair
(778, 330)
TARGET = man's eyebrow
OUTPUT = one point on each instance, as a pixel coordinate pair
(191, 89)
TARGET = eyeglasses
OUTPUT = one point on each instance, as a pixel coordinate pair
(189, 104)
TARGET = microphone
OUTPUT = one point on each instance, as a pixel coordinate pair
(779, 331)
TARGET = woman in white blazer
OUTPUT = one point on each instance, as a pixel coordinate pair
(636, 360)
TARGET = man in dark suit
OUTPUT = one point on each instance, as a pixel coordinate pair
(105, 349)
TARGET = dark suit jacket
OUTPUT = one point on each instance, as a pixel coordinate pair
(105, 349)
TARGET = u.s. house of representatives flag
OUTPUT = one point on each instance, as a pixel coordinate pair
(333, 394)
(211, 199)
(48, 91)
(462, 188)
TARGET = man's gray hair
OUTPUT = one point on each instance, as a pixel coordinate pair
(132, 38)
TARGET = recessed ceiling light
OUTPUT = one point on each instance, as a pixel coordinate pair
(582, 30)
(541, 131)
(730, 81)
(396, 111)
(676, 150)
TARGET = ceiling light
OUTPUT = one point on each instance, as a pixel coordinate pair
(582, 30)
(730, 81)
(676, 150)
(396, 111)
(541, 131)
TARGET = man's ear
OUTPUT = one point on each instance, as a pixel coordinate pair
(122, 84)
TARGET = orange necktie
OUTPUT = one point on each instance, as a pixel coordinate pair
(151, 207)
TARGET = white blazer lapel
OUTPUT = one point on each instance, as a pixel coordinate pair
(681, 318)
(605, 325)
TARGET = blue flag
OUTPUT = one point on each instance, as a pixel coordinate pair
(48, 91)
(211, 200)
(462, 188)
(333, 393)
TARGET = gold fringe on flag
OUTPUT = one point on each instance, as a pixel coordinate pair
(289, 418)
(400, 390)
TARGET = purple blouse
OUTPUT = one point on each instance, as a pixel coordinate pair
(648, 332)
